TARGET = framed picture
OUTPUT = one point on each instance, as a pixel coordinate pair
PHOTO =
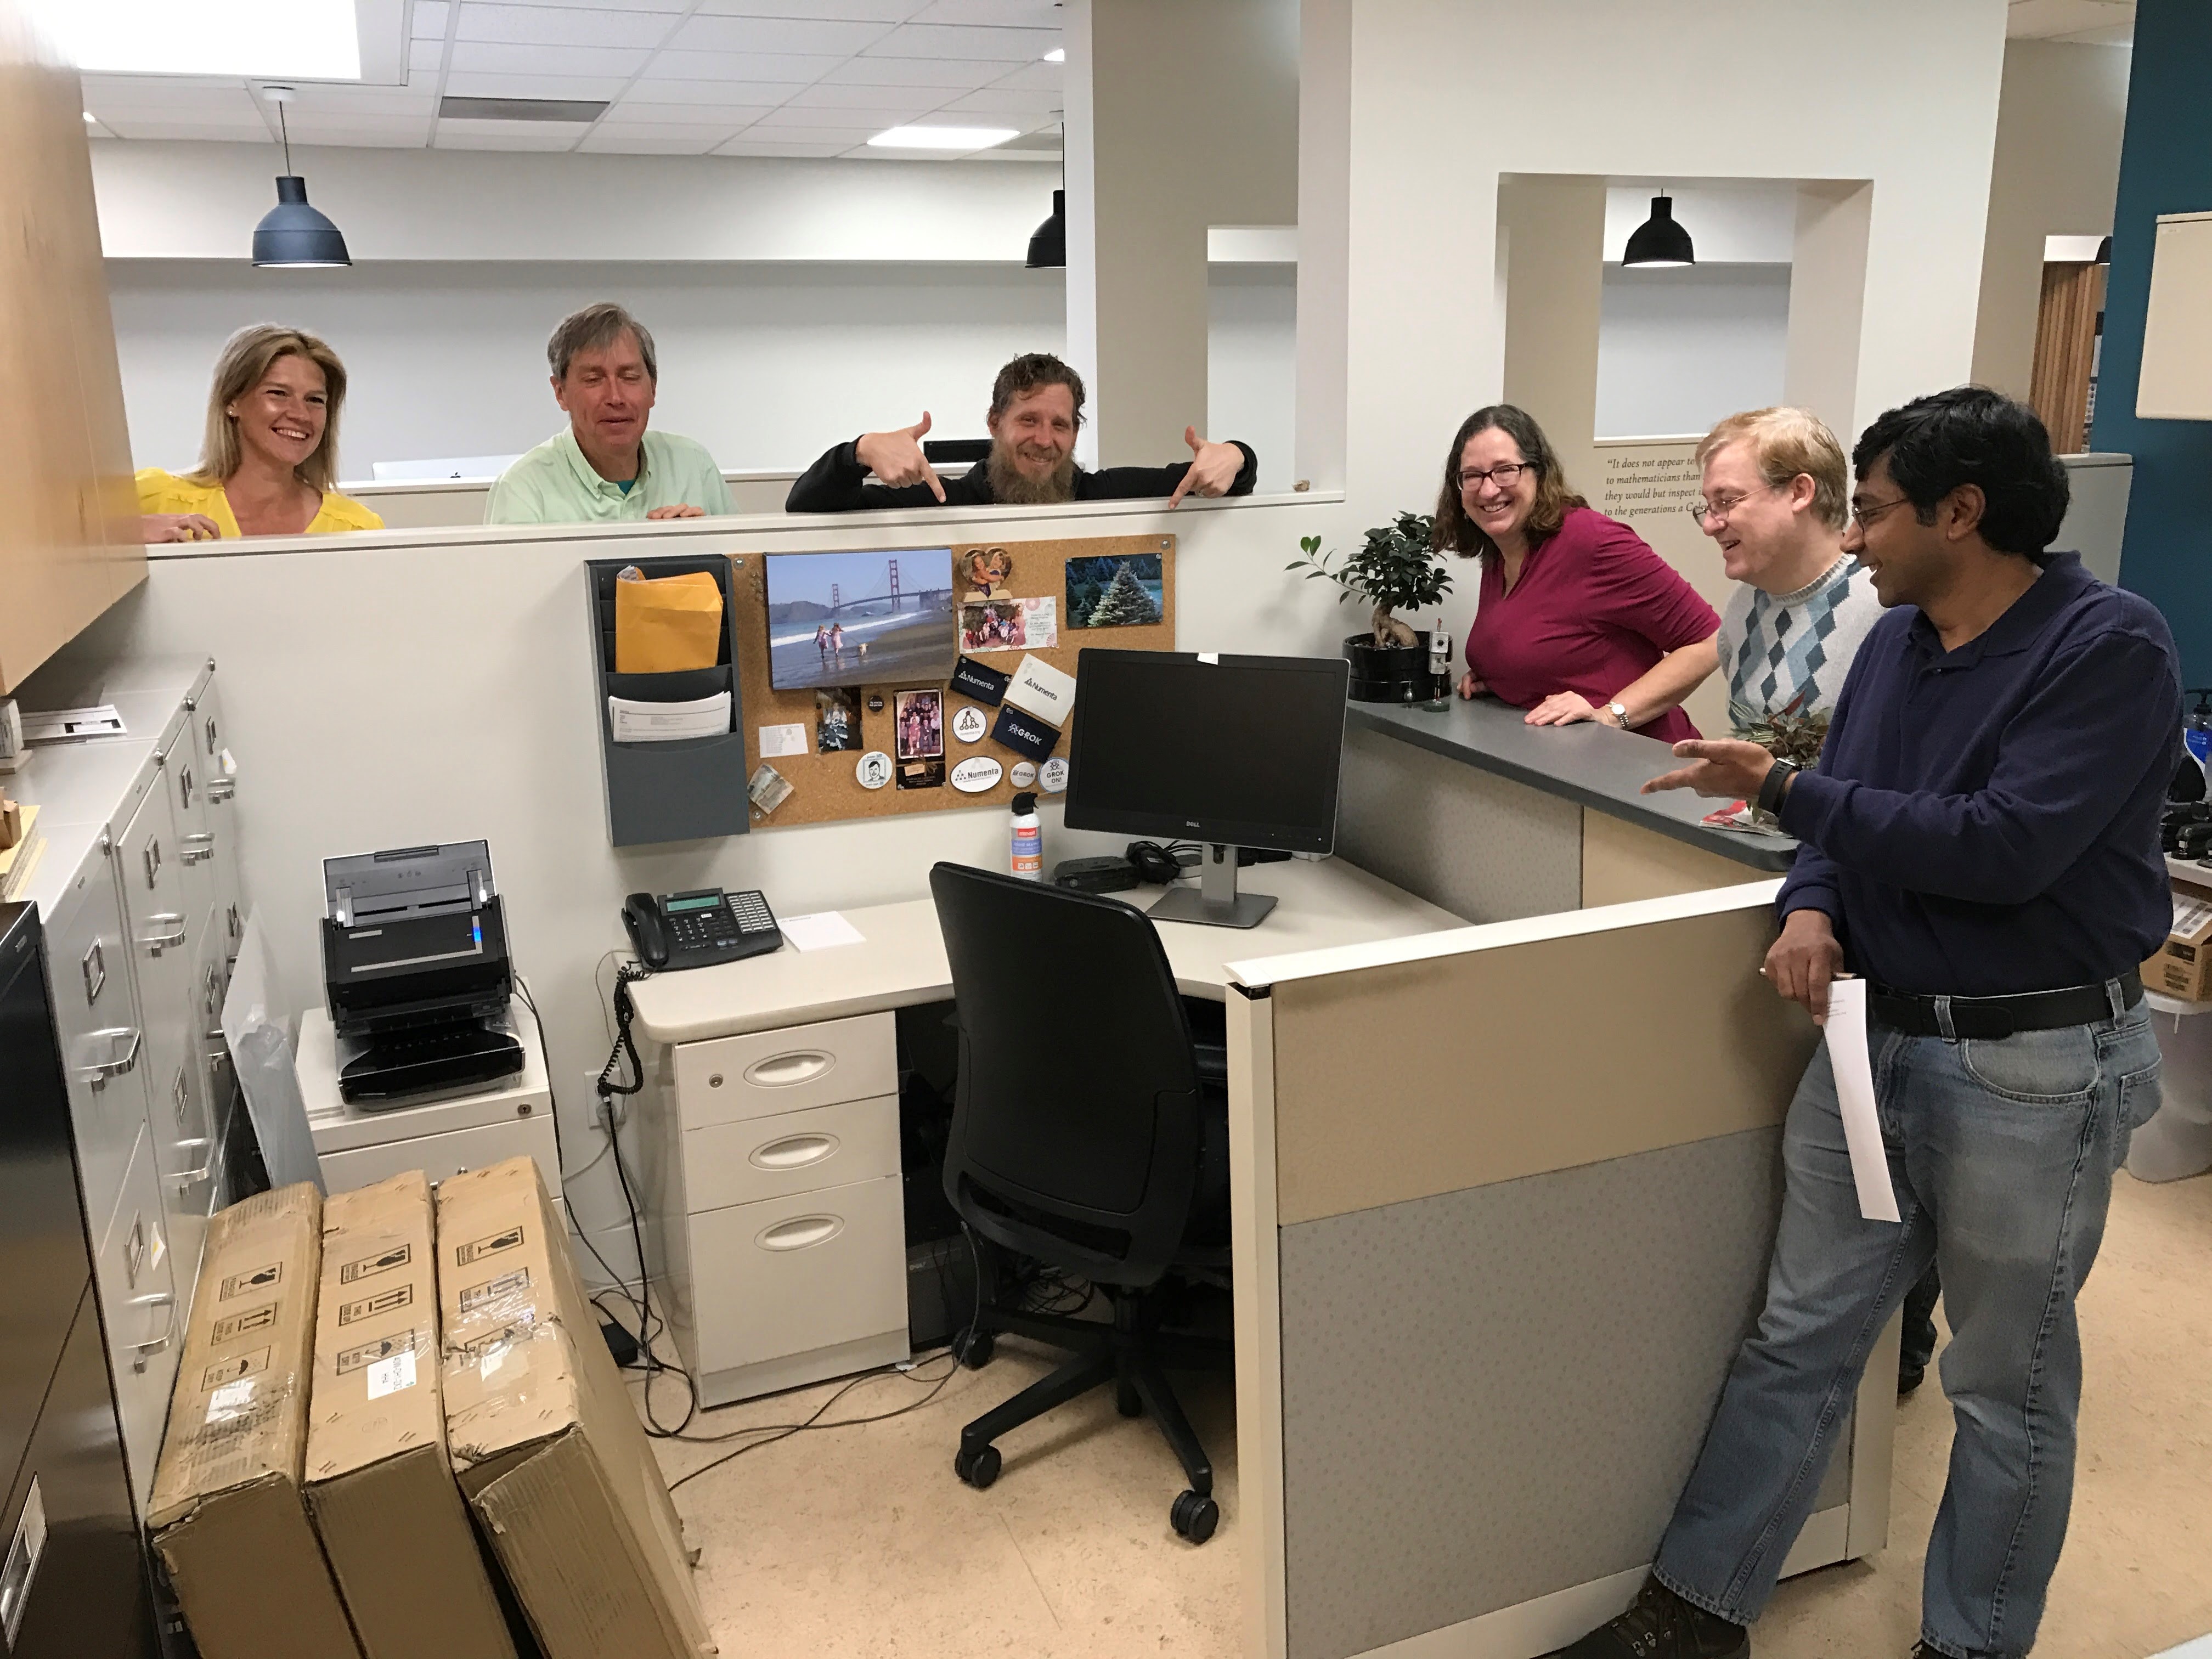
(1115, 592)
(918, 721)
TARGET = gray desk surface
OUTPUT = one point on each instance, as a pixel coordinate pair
(1593, 765)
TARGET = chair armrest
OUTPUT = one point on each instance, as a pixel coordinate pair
(1213, 1062)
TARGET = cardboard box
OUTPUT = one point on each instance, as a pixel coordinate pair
(545, 1443)
(379, 1488)
(2179, 967)
(227, 1514)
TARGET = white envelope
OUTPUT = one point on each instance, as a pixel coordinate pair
(1040, 689)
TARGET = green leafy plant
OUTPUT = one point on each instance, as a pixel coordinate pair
(1394, 568)
(1789, 734)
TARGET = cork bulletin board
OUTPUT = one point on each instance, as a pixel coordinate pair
(825, 784)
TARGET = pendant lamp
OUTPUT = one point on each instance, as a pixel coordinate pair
(1659, 241)
(1048, 242)
(2104, 252)
(293, 234)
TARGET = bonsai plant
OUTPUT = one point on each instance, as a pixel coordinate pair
(1394, 568)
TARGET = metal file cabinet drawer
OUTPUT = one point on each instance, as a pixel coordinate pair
(792, 1152)
(789, 1276)
(143, 1307)
(764, 1073)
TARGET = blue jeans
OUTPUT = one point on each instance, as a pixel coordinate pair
(2001, 1154)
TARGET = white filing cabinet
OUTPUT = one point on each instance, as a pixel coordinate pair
(778, 1215)
(138, 892)
(442, 1138)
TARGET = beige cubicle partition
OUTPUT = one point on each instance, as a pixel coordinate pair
(1514, 1188)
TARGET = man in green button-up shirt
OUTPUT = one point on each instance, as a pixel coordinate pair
(606, 467)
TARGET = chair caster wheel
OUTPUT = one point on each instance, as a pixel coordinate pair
(980, 1468)
(1194, 1516)
(973, 1349)
(1127, 1400)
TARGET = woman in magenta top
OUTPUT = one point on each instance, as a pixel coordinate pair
(1578, 619)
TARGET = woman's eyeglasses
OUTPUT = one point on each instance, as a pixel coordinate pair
(1505, 475)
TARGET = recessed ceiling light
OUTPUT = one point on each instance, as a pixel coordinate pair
(942, 137)
(1057, 54)
(90, 117)
(310, 38)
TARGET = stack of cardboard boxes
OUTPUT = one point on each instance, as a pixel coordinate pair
(362, 1377)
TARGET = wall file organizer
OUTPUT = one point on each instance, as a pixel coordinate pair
(689, 789)
(825, 787)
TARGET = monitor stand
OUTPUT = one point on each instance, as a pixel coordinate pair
(1215, 901)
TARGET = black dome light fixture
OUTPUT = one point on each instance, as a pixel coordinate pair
(1049, 241)
(1659, 242)
(2104, 252)
(292, 234)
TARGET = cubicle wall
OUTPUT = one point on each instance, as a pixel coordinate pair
(1515, 1188)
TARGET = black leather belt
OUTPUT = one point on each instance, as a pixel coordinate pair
(2000, 1017)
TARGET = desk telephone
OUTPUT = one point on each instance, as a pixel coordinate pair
(698, 929)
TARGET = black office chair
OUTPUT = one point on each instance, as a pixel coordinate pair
(1087, 1134)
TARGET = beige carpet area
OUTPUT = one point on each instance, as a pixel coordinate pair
(860, 1541)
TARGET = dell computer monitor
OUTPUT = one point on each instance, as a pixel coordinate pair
(859, 618)
(1227, 751)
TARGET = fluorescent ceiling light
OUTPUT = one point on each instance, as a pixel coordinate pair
(942, 137)
(1057, 54)
(312, 40)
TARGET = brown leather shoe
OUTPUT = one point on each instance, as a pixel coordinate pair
(1661, 1624)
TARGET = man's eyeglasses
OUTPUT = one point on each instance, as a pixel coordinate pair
(1863, 515)
(1721, 506)
(1505, 475)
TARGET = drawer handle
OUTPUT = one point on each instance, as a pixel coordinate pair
(198, 848)
(794, 1151)
(221, 789)
(142, 1352)
(100, 1071)
(784, 1071)
(801, 1231)
(170, 940)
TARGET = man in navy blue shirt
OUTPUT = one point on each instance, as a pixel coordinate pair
(1981, 847)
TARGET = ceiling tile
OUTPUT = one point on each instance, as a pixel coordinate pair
(750, 93)
(396, 134)
(1004, 14)
(648, 141)
(861, 11)
(491, 58)
(729, 117)
(1010, 101)
(535, 86)
(899, 103)
(770, 130)
(507, 135)
(563, 26)
(158, 88)
(1041, 74)
(430, 20)
(428, 56)
(946, 40)
(165, 96)
(959, 73)
(678, 6)
(791, 69)
(778, 34)
(152, 125)
(343, 103)
(748, 146)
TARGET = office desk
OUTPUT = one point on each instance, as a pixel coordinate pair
(902, 961)
(774, 1198)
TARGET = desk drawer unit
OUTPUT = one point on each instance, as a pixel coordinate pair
(449, 1154)
(792, 1152)
(788, 1276)
(767, 1073)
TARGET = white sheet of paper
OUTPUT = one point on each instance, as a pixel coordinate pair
(632, 722)
(1854, 1070)
(1040, 689)
(820, 931)
(777, 740)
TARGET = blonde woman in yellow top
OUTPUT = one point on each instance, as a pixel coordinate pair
(270, 455)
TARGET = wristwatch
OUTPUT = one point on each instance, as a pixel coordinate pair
(1620, 713)
(1771, 786)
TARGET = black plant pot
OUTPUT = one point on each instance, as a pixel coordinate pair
(1389, 673)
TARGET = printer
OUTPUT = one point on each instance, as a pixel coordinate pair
(416, 968)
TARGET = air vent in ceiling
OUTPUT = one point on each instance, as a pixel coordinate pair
(522, 109)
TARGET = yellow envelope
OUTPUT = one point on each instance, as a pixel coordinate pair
(667, 623)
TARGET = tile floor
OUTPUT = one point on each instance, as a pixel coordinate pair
(861, 1542)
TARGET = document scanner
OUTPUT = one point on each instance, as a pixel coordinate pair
(415, 967)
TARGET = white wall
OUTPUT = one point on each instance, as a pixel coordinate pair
(1679, 349)
(2058, 171)
(470, 648)
(1902, 94)
(766, 364)
(1251, 377)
